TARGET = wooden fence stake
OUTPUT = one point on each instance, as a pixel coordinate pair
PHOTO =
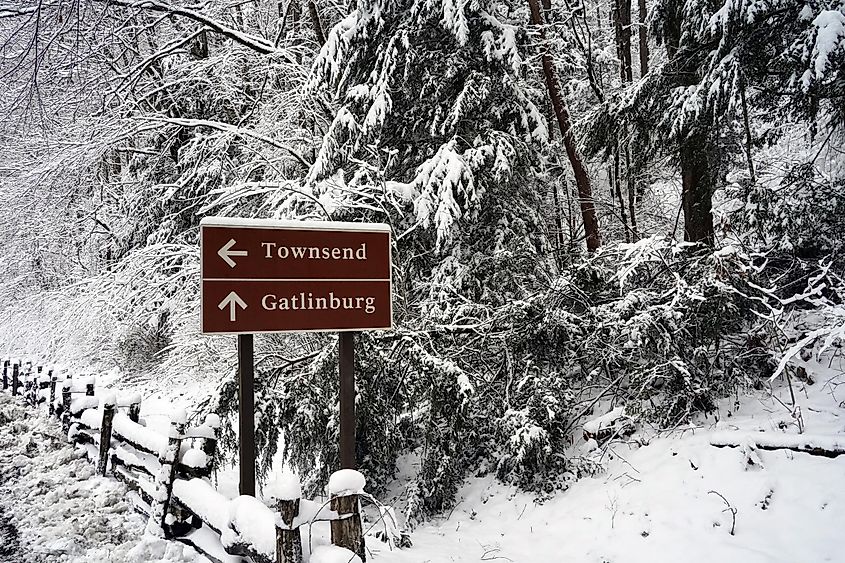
(89, 388)
(288, 541)
(209, 445)
(5, 374)
(66, 388)
(105, 433)
(348, 532)
(135, 412)
(53, 380)
(15, 380)
(169, 460)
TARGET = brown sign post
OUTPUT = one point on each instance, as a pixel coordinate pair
(262, 276)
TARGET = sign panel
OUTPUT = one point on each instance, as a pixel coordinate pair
(289, 276)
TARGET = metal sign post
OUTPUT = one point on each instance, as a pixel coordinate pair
(261, 276)
(246, 414)
(346, 361)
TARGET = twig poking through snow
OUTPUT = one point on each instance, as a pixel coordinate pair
(730, 509)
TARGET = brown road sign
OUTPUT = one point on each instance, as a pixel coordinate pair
(290, 276)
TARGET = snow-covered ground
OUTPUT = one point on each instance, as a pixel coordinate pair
(678, 498)
(671, 500)
(53, 507)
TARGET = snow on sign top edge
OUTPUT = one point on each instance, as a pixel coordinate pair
(244, 222)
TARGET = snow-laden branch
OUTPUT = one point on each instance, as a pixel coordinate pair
(229, 128)
(258, 44)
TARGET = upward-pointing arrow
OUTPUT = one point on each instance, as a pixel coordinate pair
(226, 253)
(233, 300)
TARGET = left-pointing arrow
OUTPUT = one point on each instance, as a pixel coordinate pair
(233, 300)
(226, 253)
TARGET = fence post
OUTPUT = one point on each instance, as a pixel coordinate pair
(169, 459)
(209, 445)
(285, 493)
(15, 379)
(66, 389)
(5, 374)
(108, 405)
(344, 486)
(135, 410)
(53, 379)
(89, 387)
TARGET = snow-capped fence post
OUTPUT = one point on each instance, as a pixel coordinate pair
(134, 413)
(5, 374)
(347, 531)
(15, 379)
(53, 379)
(108, 404)
(89, 387)
(285, 492)
(66, 389)
(209, 444)
(169, 459)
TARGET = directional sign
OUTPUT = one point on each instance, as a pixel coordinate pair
(290, 276)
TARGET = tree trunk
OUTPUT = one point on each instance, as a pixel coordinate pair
(643, 34)
(582, 178)
(747, 126)
(632, 195)
(697, 192)
(622, 25)
(316, 23)
(617, 182)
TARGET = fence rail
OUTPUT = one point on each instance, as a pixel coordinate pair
(170, 474)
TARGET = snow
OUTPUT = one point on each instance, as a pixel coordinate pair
(79, 404)
(657, 502)
(58, 509)
(780, 440)
(180, 416)
(254, 522)
(346, 482)
(829, 39)
(301, 225)
(91, 418)
(128, 399)
(194, 458)
(204, 500)
(596, 425)
(333, 554)
(285, 486)
(146, 438)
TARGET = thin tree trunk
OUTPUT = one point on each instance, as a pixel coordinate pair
(747, 126)
(617, 181)
(632, 195)
(622, 25)
(558, 226)
(582, 178)
(697, 191)
(317, 23)
(643, 34)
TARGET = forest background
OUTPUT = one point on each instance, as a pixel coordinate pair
(591, 202)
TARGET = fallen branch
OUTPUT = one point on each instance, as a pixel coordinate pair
(826, 446)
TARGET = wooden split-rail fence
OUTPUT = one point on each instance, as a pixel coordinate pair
(171, 474)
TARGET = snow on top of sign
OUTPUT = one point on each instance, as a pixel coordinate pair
(346, 481)
(303, 225)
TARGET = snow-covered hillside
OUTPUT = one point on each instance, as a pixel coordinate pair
(662, 498)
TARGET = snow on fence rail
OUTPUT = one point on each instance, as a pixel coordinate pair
(169, 475)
